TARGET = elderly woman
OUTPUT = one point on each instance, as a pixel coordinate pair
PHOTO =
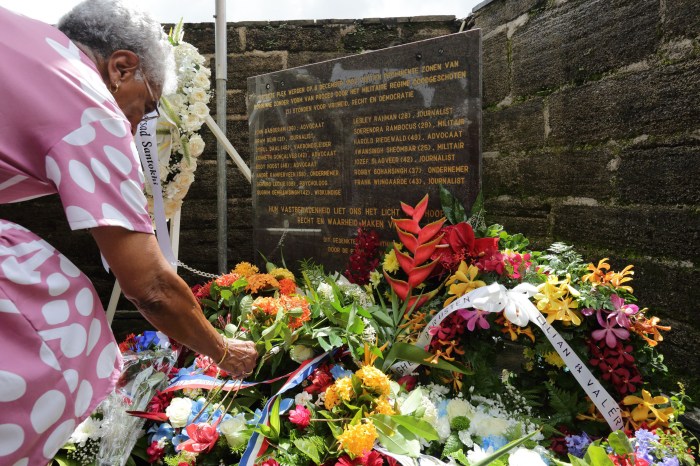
(70, 100)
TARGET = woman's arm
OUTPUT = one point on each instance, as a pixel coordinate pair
(164, 298)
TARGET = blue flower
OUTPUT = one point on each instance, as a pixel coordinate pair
(145, 340)
(578, 444)
(671, 461)
(645, 441)
(495, 442)
(338, 372)
(160, 431)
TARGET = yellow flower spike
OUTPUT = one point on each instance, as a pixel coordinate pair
(391, 263)
(343, 387)
(646, 409)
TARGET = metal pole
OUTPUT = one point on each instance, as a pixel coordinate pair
(221, 196)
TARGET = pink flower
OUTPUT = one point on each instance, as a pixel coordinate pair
(622, 311)
(270, 462)
(474, 317)
(203, 437)
(609, 332)
(300, 416)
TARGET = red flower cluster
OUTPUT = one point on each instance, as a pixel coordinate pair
(129, 343)
(628, 460)
(511, 264)
(364, 258)
(616, 366)
(154, 452)
(159, 402)
(463, 246)
(321, 379)
(201, 291)
(370, 458)
(450, 329)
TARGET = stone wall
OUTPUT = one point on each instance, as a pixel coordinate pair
(591, 136)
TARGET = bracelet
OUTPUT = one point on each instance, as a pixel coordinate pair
(223, 339)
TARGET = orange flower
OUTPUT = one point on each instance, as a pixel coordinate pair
(298, 307)
(513, 330)
(228, 279)
(261, 282)
(598, 274)
(245, 269)
(287, 287)
(643, 326)
(618, 278)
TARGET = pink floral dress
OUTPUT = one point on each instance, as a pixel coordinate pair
(60, 132)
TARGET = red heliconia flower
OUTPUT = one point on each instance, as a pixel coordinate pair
(300, 417)
(420, 243)
(203, 437)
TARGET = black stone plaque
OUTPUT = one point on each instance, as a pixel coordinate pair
(337, 145)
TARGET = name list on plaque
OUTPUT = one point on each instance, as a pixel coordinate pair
(338, 145)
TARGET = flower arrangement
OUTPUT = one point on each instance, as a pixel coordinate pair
(444, 355)
(183, 113)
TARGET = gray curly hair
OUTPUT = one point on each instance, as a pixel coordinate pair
(106, 26)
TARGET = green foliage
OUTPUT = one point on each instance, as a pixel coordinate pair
(452, 445)
(452, 207)
(567, 404)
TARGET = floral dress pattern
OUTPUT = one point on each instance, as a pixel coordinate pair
(62, 132)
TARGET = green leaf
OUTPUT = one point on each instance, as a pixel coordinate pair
(390, 436)
(412, 353)
(412, 402)
(575, 461)
(418, 427)
(460, 457)
(620, 443)
(597, 456)
(453, 209)
(275, 418)
(478, 205)
(503, 450)
(308, 447)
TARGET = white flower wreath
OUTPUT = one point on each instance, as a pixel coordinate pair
(182, 115)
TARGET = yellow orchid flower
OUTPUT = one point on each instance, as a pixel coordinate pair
(646, 409)
(555, 299)
(463, 281)
(618, 278)
(598, 274)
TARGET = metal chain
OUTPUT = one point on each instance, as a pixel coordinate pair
(195, 271)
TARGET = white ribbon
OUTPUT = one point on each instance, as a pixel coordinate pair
(519, 310)
(147, 147)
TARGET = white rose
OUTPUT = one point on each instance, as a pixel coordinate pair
(179, 411)
(195, 146)
(325, 291)
(300, 353)
(191, 122)
(234, 430)
(200, 109)
(524, 457)
(458, 407)
(201, 80)
(176, 100)
(184, 180)
(199, 95)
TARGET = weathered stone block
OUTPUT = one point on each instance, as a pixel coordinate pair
(578, 173)
(681, 19)
(496, 69)
(674, 179)
(306, 58)
(361, 37)
(668, 232)
(660, 101)
(414, 31)
(294, 38)
(527, 216)
(242, 66)
(499, 12)
(580, 40)
(517, 127)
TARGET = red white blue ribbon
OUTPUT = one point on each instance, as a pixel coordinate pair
(257, 444)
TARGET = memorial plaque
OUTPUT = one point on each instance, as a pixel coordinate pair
(337, 145)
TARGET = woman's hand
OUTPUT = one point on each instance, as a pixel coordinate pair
(240, 359)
